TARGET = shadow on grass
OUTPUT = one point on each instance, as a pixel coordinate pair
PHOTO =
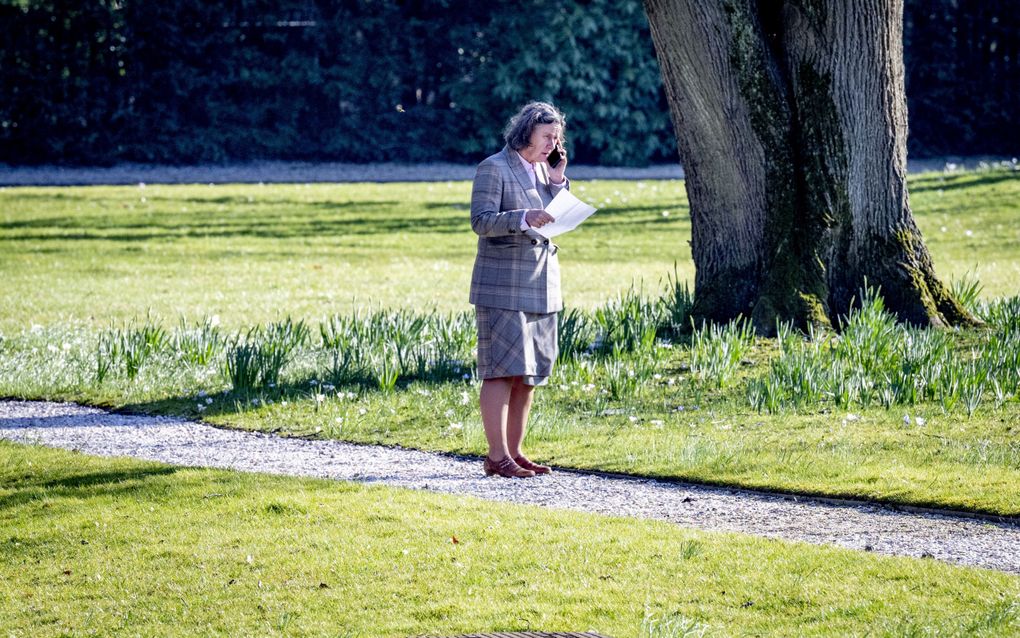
(263, 224)
(963, 180)
(84, 485)
(302, 389)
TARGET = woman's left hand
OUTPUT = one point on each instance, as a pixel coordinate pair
(556, 174)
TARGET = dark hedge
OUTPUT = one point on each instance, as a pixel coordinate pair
(185, 81)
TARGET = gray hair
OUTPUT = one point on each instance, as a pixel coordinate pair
(533, 114)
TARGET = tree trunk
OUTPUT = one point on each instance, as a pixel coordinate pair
(791, 124)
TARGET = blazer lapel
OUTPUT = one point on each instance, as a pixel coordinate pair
(542, 177)
(514, 161)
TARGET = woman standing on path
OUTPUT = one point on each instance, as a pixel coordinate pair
(515, 285)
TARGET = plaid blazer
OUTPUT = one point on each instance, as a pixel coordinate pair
(514, 269)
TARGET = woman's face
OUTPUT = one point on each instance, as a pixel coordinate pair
(543, 140)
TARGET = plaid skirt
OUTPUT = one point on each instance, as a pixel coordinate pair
(512, 343)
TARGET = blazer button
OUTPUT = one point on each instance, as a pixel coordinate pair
(534, 241)
(546, 242)
(512, 231)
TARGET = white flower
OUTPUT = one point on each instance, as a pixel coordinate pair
(853, 417)
(208, 400)
(319, 397)
(968, 233)
(362, 411)
(141, 184)
(329, 387)
(214, 320)
(665, 213)
(466, 376)
(464, 398)
(656, 422)
(202, 394)
(906, 419)
(254, 401)
(200, 407)
(318, 429)
(919, 421)
(284, 403)
(448, 413)
(350, 395)
(633, 419)
(456, 426)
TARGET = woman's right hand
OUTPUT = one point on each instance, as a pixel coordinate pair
(537, 217)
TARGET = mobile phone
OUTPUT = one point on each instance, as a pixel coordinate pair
(554, 158)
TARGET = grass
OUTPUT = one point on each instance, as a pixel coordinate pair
(339, 311)
(264, 307)
(255, 254)
(92, 546)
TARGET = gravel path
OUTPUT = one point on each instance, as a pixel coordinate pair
(993, 545)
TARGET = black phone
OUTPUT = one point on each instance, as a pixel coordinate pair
(554, 158)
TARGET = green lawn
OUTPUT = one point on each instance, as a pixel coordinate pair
(107, 547)
(76, 260)
(251, 253)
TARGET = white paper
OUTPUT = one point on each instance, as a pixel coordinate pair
(568, 211)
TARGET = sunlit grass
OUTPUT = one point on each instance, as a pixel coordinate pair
(116, 547)
(257, 253)
(880, 411)
(339, 311)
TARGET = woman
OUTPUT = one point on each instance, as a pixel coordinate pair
(515, 285)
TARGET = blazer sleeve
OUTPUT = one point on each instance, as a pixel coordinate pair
(487, 220)
(554, 189)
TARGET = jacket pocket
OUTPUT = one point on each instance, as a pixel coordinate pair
(502, 242)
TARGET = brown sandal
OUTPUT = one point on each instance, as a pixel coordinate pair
(534, 467)
(505, 467)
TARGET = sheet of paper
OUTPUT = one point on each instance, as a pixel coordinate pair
(568, 211)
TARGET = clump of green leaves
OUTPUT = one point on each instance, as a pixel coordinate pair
(197, 345)
(716, 351)
(877, 362)
(257, 361)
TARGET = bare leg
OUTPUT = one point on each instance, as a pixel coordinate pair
(493, 400)
(517, 416)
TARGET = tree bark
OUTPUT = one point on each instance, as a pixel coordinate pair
(791, 124)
